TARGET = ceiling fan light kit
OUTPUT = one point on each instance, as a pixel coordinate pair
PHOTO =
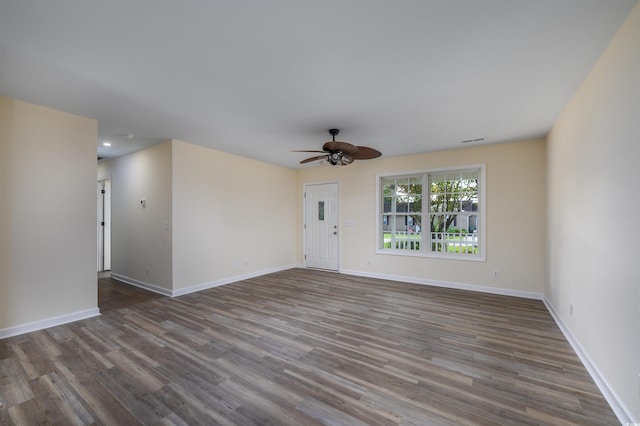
(339, 153)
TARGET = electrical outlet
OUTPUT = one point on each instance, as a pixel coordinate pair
(571, 309)
(496, 275)
(369, 262)
(146, 271)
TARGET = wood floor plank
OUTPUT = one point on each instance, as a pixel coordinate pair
(189, 409)
(301, 347)
(14, 384)
(327, 414)
(97, 399)
(29, 412)
(65, 397)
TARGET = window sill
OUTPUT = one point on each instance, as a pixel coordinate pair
(430, 255)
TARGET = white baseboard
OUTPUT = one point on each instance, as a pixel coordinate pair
(449, 284)
(141, 284)
(77, 316)
(619, 408)
(229, 280)
(49, 322)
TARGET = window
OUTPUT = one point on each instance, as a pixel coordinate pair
(453, 213)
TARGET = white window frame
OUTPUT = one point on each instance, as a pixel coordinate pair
(425, 246)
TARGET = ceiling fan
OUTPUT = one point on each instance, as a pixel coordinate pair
(339, 153)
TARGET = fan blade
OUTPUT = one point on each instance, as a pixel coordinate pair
(344, 147)
(308, 160)
(365, 153)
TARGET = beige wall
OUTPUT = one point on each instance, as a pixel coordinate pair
(594, 207)
(515, 217)
(209, 217)
(232, 216)
(48, 214)
(141, 237)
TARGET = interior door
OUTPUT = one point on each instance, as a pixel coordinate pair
(321, 231)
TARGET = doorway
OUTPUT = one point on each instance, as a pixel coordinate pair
(321, 231)
(104, 225)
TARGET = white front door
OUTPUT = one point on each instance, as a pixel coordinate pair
(321, 231)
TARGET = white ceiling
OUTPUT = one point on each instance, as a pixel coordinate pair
(260, 78)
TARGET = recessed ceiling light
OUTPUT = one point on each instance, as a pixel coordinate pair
(106, 143)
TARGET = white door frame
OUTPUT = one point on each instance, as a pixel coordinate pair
(333, 237)
(104, 224)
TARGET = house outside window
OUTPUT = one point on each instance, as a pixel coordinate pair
(433, 213)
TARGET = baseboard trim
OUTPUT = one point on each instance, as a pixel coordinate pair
(229, 280)
(619, 408)
(448, 284)
(49, 322)
(141, 284)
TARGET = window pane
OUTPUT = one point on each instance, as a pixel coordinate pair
(437, 223)
(473, 223)
(451, 222)
(416, 224)
(437, 202)
(402, 187)
(387, 204)
(415, 203)
(402, 203)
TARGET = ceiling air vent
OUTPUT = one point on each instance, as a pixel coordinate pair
(475, 140)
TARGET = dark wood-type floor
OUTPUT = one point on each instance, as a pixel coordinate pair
(114, 294)
(303, 347)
